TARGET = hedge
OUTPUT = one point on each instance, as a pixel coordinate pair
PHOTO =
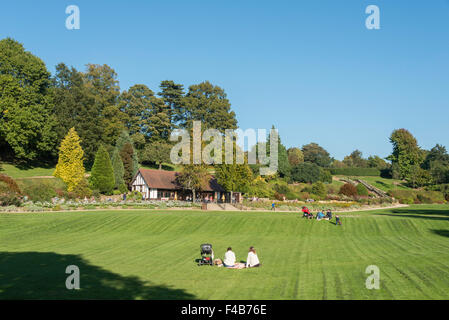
(355, 171)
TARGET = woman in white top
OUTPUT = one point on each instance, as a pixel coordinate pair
(229, 259)
(252, 260)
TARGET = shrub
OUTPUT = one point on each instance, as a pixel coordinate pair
(348, 189)
(325, 176)
(362, 190)
(319, 189)
(306, 172)
(281, 188)
(279, 196)
(102, 174)
(356, 171)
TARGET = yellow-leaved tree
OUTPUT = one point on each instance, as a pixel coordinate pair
(70, 167)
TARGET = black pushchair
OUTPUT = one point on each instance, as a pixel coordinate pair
(207, 255)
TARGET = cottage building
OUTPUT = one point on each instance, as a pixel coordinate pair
(162, 185)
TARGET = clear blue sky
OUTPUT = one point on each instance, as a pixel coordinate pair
(311, 68)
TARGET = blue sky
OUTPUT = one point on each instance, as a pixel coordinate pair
(311, 68)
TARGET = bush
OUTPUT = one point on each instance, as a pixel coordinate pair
(348, 189)
(306, 172)
(362, 190)
(374, 172)
(281, 188)
(279, 196)
(326, 176)
(319, 189)
(123, 188)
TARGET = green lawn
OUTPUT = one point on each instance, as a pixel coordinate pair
(16, 172)
(150, 254)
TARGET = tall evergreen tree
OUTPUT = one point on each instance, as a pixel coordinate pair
(126, 153)
(173, 96)
(102, 173)
(122, 140)
(70, 166)
(119, 170)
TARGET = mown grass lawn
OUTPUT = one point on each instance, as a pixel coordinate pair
(144, 254)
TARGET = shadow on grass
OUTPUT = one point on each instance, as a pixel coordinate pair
(443, 233)
(431, 214)
(41, 275)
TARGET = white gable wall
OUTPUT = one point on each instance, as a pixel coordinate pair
(140, 185)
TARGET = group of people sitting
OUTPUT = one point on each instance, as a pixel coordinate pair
(320, 215)
(229, 261)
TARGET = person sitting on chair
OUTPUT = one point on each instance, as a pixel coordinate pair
(229, 259)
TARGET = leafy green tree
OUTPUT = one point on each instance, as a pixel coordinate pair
(173, 96)
(26, 119)
(102, 173)
(126, 153)
(306, 172)
(314, 153)
(377, 162)
(355, 159)
(70, 166)
(234, 177)
(295, 156)
(406, 156)
(192, 178)
(325, 176)
(208, 103)
(158, 153)
(119, 170)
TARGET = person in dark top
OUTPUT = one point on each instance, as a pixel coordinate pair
(337, 220)
(329, 214)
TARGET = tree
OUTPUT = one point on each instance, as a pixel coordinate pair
(119, 170)
(234, 177)
(306, 172)
(173, 96)
(208, 103)
(102, 173)
(355, 159)
(406, 154)
(377, 162)
(284, 167)
(26, 119)
(314, 153)
(126, 154)
(295, 156)
(158, 153)
(70, 167)
(101, 122)
(136, 104)
(192, 178)
(122, 140)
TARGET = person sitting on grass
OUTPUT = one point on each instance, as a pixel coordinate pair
(337, 220)
(319, 215)
(329, 214)
(229, 259)
(252, 261)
